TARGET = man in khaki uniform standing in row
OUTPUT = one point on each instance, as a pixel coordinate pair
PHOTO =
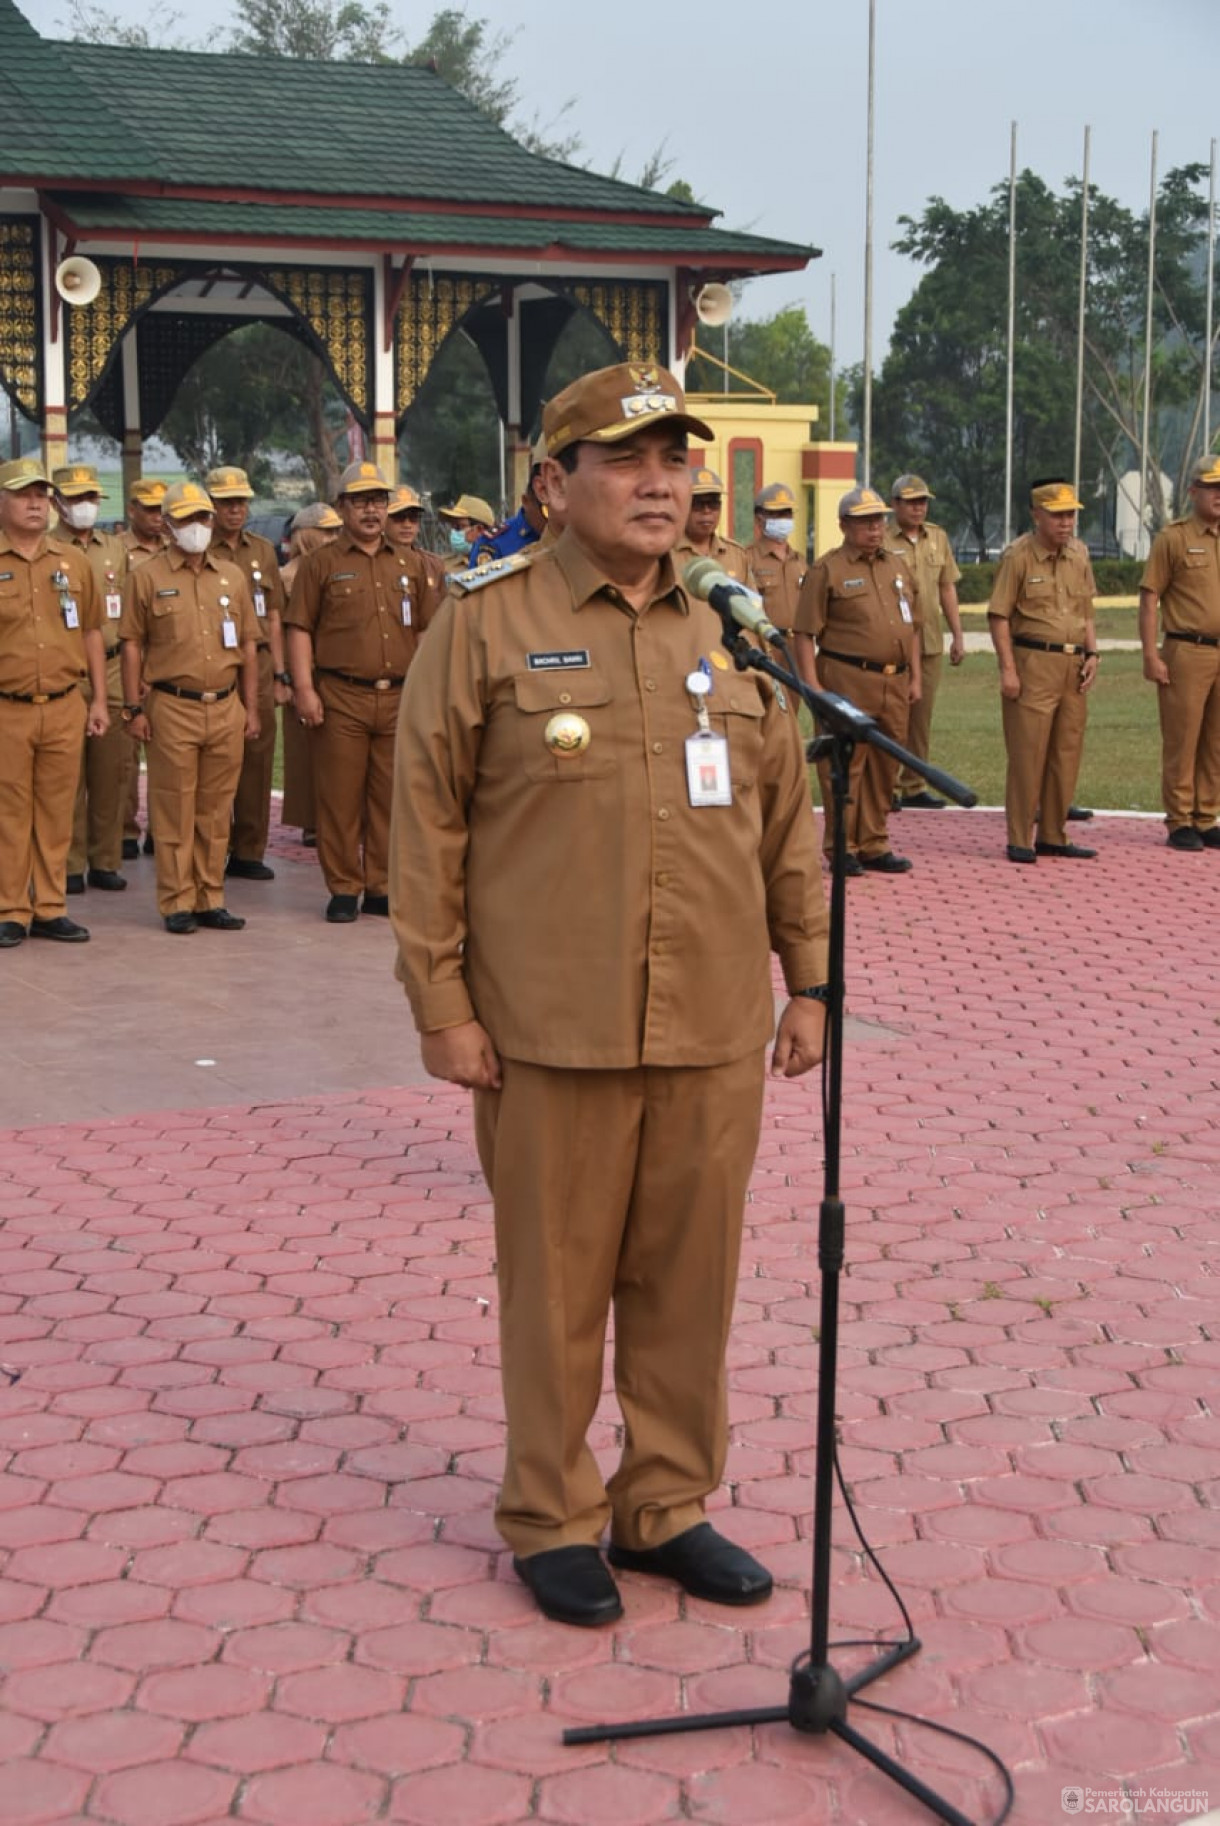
(1183, 576)
(189, 632)
(859, 605)
(404, 520)
(96, 850)
(50, 639)
(355, 616)
(1041, 621)
(926, 551)
(144, 538)
(599, 835)
(255, 557)
(777, 569)
(702, 537)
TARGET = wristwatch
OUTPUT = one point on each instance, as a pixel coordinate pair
(284, 678)
(130, 712)
(819, 993)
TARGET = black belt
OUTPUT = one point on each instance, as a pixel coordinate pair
(1047, 646)
(196, 697)
(865, 665)
(369, 684)
(35, 697)
(1197, 640)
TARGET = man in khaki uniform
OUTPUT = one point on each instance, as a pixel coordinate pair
(189, 632)
(255, 557)
(701, 537)
(1041, 621)
(1183, 576)
(50, 640)
(356, 613)
(599, 835)
(143, 539)
(777, 570)
(404, 519)
(859, 604)
(466, 522)
(926, 551)
(96, 849)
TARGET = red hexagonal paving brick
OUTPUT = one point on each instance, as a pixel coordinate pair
(164, 1794)
(314, 1794)
(112, 1740)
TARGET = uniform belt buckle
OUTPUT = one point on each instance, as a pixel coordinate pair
(381, 684)
(208, 697)
(1069, 648)
(888, 671)
(41, 697)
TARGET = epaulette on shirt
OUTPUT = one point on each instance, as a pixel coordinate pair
(466, 581)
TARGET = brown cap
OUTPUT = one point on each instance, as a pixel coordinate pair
(777, 498)
(185, 499)
(1055, 498)
(147, 492)
(228, 484)
(318, 514)
(911, 488)
(1206, 469)
(362, 479)
(706, 482)
(76, 480)
(23, 472)
(861, 504)
(469, 507)
(404, 499)
(614, 403)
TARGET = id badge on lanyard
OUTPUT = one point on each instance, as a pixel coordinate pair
(708, 780)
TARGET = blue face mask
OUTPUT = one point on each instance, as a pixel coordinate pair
(778, 527)
(457, 540)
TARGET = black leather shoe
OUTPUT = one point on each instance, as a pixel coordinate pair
(1186, 837)
(1075, 850)
(150, 848)
(74, 884)
(108, 879)
(219, 919)
(886, 864)
(1210, 838)
(342, 910)
(921, 802)
(851, 865)
(376, 903)
(65, 930)
(571, 1585)
(309, 839)
(131, 849)
(703, 1563)
(10, 934)
(1079, 814)
(249, 871)
(179, 922)
(1017, 852)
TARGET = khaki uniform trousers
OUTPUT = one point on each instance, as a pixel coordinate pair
(919, 724)
(1189, 708)
(40, 765)
(620, 1188)
(131, 812)
(299, 810)
(353, 774)
(872, 775)
(101, 793)
(194, 758)
(1044, 737)
(252, 800)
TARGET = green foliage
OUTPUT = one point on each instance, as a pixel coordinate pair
(326, 30)
(1113, 577)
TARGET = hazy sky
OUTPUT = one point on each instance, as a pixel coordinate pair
(764, 109)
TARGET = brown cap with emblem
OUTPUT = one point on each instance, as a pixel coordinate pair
(318, 514)
(1055, 498)
(404, 500)
(147, 492)
(469, 507)
(861, 504)
(1206, 470)
(706, 482)
(228, 484)
(23, 472)
(614, 403)
(911, 488)
(362, 479)
(75, 480)
(776, 498)
(185, 499)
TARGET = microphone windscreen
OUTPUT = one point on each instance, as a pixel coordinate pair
(702, 575)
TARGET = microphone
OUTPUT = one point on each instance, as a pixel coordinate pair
(704, 578)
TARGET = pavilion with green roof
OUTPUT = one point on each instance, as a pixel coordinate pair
(370, 210)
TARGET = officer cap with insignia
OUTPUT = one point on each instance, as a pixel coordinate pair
(1207, 471)
(1055, 497)
(861, 504)
(775, 499)
(185, 499)
(75, 481)
(23, 472)
(362, 479)
(404, 500)
(469, 507)
(318, 514)
(615, 403)
(911, 488)
(705, 482)
(146, 492)
(228, 484)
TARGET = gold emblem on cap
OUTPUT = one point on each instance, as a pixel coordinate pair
(566, 733)
(646, 380)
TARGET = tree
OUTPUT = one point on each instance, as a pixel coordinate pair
(327, 30)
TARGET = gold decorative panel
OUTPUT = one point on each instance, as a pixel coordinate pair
(93, 331)
(632, 310)
(20, 340)
(338, 307)
(430, 308)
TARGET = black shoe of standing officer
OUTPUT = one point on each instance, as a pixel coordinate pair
(851, 865)
(131, 849)
(179, 922)
(1017, 852)
(150, 847)
(66, 931)
(1079, 814)
(249, 871)
(219, 919)
(1186, 837)
(74, 884)
(11, 933)
(376, 903)
(1076, 850)
(703, 1563)
(107, 879)
(921, 802)
(886, 863)
(571, 1585)
(342, 909)
(1210, 838)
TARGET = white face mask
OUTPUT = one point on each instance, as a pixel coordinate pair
(778, 529)
(194, 538)
(80, 515)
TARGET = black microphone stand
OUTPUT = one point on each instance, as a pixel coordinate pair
(818, 1696)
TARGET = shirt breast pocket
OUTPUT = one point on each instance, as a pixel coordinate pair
(342, 604)
(565, 726)
(741, 723)
(10, 603)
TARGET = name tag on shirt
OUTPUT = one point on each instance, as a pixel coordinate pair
(114, 606)
(853, 583)
(228, 632)
(161, 593)
(707, 769)
(570, 659)
(71, 612)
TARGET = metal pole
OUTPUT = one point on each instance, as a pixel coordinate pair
(1211, 276)
(867, 428)
(1147, 424)
(833, 375)
(1012, 322)
(1084, 282)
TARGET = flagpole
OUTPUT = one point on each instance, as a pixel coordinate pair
(1084, 283)
(1012, 320)
(867, 428)
(833, 375)
(1145, 434)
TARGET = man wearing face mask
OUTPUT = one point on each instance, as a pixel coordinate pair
(778, 571)
(466, 522)
(190, 632)
(96, 850)
(354, 619)
(255, 557)
(144, 538)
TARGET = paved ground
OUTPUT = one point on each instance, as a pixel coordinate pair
(248, 1462)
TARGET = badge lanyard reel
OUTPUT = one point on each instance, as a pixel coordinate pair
(818, 1695)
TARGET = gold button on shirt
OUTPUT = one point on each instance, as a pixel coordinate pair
(38, 651)
(1044, 595)
(350, 602)
(1183, 569)
(575, 902)
(176, 616)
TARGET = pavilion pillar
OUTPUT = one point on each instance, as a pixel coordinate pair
(516, 441)
(385, 441)
(54, 363)
(133, 435)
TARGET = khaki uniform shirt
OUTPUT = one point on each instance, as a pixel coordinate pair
(39, 652)
(107, 558)
(929, 558)
(1044, 595)
(351, 603)
(176, 617)
(778, 577)
(577, 903)
(862, 605)
(255, 558)
(137, 552)
(1183, 569)
(730, 556)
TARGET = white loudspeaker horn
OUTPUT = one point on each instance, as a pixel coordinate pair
(713, 304)
(77, 280)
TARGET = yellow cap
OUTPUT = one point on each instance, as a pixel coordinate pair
(23, 472)
(469, 507)
(185, 499)
(362, 479)
(911, 488)
(76, 480)
(147, 493)
(614, 403)
(228, 484)
(776, 498)
(318, 514)
(404, 499)
(1206, 470)
(861, 504)
(706, 482)
(1055, 498)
